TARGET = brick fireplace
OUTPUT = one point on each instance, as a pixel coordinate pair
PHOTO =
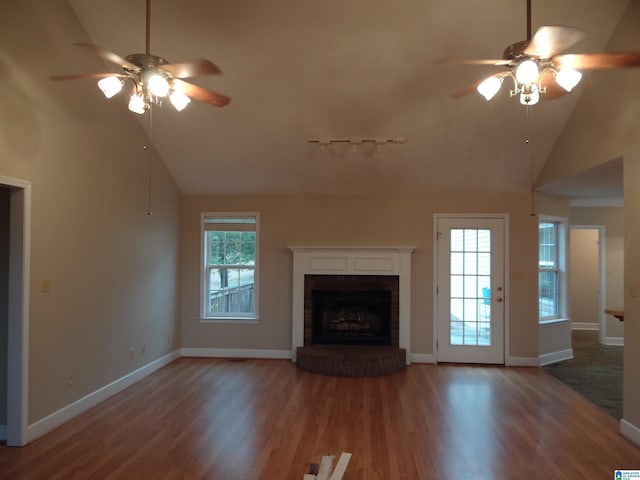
(371, 274)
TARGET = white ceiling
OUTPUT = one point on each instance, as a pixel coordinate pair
(298, 69)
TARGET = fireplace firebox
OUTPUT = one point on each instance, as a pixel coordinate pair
(351, 317)
(351, 310)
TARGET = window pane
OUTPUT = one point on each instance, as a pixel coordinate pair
(484, 264)
(470, 263)
(548, 294)
(470, 240)
(231, 290)
(456, 333)
(548, 252)
(484, 333)
(470, 286)
(484, 240)
(457, 240)
(457, 286)
(456, 263)
(457, 309)
(470, 333)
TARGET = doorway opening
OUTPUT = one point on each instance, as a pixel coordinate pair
(15, 290)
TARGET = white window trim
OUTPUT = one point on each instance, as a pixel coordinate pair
(231, 319)
(563, 241)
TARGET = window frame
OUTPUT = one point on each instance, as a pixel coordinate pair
(561, 242)
(204, 270)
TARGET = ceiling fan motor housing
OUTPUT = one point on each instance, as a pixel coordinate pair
(146, 61)
(515, 51)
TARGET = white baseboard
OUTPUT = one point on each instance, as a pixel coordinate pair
(3, 433)
(614, 341)
(630, 431)
(522, 362)
(554, 357)
(236, 353)
(74, 409)
(421, 358)
(584, 326)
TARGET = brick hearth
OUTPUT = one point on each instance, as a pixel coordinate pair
(352, 360)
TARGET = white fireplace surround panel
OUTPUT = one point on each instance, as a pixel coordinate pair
(393, 261)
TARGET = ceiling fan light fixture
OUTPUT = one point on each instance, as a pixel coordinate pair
(110, 86)
(179, 100)
(568, 78)
(527, 72)
(157, 85)
(137, 103)
(529, 95)
(489, 87)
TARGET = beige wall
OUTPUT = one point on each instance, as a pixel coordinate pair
(352, 221)
(584, 278)
(112, 268)
(604, 126)
(612, 218)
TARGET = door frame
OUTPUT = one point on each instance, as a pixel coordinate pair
(472, 216)
(18, 324)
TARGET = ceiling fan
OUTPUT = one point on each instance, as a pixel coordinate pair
(153, 77)
(536, 66)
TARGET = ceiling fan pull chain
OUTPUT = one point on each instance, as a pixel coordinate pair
(529, 144)
(147, 148)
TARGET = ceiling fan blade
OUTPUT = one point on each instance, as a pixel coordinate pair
(549, 40)
(76, 76)
(193, 68)
(592, 61)
(201, 94)
(110, 56)
(471, 61)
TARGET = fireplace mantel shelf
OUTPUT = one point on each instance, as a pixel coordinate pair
(399, 249)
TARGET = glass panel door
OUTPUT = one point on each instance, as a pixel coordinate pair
(470, 302)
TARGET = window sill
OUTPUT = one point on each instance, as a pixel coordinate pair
(230, 320)
(553, 321)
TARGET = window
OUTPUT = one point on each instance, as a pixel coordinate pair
(551, 269)
(230, 244)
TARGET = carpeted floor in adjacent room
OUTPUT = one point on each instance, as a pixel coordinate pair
(595, 371)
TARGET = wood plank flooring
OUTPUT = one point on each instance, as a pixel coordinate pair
(267, 419)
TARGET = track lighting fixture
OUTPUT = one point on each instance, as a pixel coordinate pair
(355, 142)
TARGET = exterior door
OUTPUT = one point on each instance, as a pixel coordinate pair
(470, 290)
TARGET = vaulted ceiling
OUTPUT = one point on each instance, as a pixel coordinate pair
(297, 69)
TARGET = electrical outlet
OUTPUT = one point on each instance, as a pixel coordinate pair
(69, 381)
(143, 349)
(45, 285)
(131, 353)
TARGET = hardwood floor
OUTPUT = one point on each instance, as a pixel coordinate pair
(267, 419)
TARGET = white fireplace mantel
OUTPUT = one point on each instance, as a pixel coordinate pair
(351, 261)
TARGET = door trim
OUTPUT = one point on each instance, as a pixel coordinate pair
(507, 287)
(18, 331)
